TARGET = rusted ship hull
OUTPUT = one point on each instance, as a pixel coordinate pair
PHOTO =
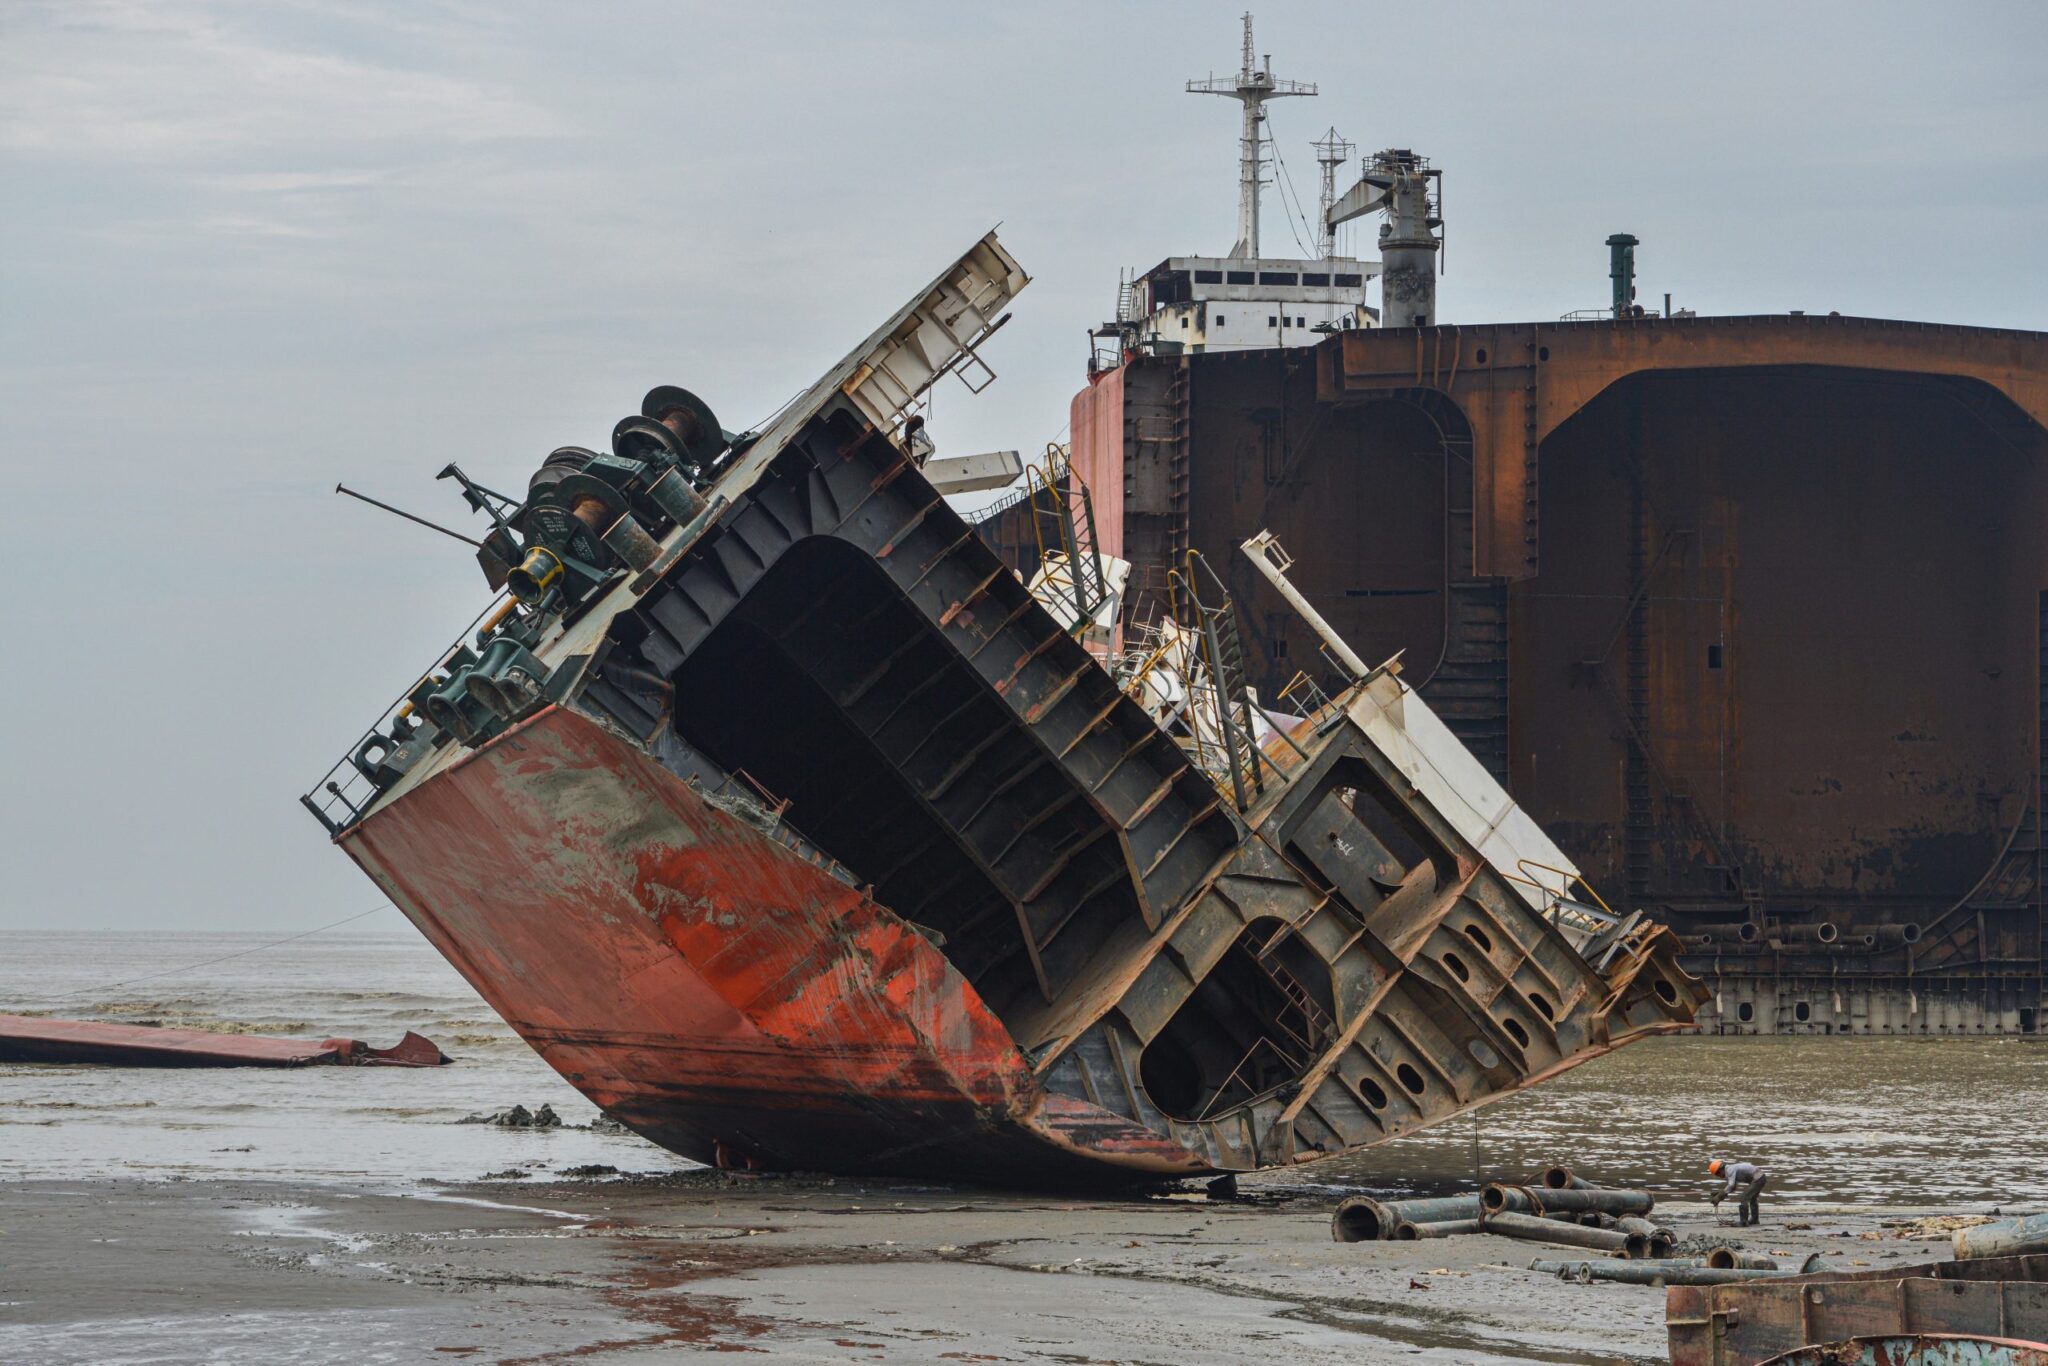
(720, 995)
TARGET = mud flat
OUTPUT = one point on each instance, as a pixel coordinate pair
(804, 1269)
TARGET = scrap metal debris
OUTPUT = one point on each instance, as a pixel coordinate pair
(36, 1038)
(518, 1117)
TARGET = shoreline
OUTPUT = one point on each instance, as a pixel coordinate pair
(703, 1262)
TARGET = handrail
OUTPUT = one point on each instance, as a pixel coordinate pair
(321, 798)
(1569, 878)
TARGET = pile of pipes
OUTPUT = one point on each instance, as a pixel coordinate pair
(1559, 1208)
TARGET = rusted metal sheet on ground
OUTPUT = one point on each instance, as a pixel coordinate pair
(801, 834)
(35, 1038)
(1739, 1325)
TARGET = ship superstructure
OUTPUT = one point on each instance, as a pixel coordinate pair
(1245, 300)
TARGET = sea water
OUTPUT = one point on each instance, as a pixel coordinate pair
(345, 1123)
(1893, 1121)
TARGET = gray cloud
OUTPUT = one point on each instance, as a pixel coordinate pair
(253, 248)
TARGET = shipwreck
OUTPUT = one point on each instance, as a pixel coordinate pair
(798, 831)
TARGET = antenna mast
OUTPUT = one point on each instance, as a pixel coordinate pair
(1331, 153)
(1251, 87)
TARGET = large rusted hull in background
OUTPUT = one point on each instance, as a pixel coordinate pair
(1749, 613)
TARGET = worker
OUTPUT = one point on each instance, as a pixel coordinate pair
(1745, 1181)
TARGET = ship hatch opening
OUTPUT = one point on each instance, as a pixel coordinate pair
(832, 692)
(1255, 1023)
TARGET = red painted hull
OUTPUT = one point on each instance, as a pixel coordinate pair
(710, 988)
(36, 1038)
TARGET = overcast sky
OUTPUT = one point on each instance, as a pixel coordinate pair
(251, 249)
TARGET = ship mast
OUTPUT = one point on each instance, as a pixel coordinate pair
(1331, 153)
(1252, 87)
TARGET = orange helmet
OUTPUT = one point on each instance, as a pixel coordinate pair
(1714, 1167)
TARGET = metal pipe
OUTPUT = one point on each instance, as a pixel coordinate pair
(1661, 1240)
(2006, 1238)
(1725, 1258)
(1531, 1229)
(1611, 1201)
(630, 542)
(673, 494)
(401, 512)
(1647, 1273)
(1362, 1219)
(1442, 1228)
(1561, 1177)
(1621, 270)
(1743, 931)
(1498, 1198)
(1272, 561)
(1894, 935)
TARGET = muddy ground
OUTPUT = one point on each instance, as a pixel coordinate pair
(805, 1270)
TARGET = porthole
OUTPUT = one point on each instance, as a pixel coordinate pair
(1744, 1011)
(1482, 1053)
(1410, 1078)
(1666, 993)
(1515, 1031)
(1541, 1006)
(1374, 1096)
(1542, 353)
(1478, 936)
(1457, 967)
(1482, 355)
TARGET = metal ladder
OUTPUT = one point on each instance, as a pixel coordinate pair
(1063, 521)
(1223, 653)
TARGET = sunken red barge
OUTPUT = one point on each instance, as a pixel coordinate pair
(797, 831)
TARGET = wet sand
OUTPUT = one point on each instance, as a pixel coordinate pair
(804, 1270)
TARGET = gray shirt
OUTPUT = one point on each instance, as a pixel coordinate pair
(1740, 1174)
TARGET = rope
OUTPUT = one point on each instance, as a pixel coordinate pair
(243, 953)
(1286, 181)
